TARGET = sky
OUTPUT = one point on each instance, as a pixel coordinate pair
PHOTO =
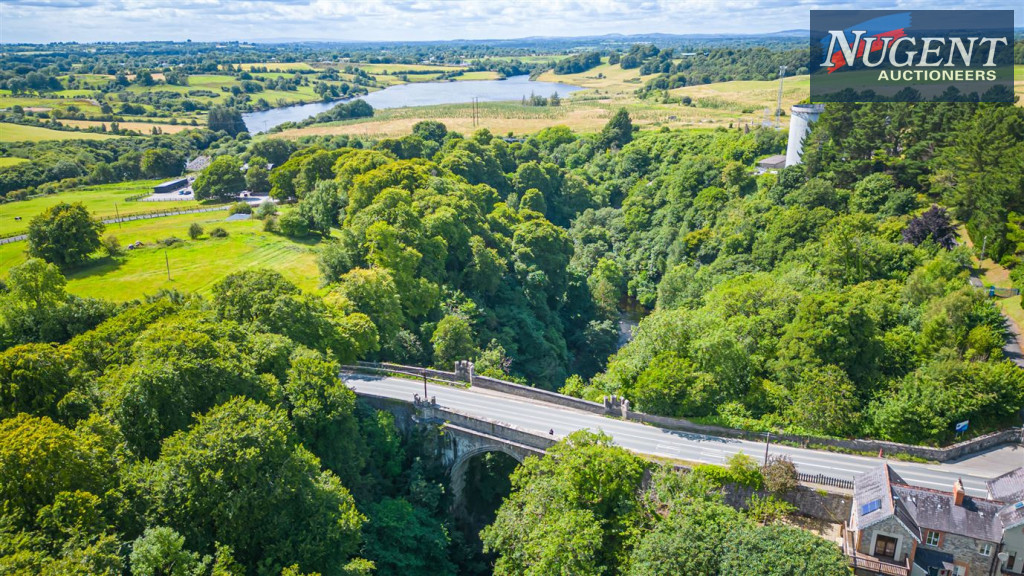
(40, 21)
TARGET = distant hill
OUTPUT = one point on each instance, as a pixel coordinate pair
(555, 43)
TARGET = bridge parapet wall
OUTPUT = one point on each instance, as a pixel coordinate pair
(620, 408)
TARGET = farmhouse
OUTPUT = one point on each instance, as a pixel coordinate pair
(903, 530)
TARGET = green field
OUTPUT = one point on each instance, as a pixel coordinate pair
(609, 88)
(105, 201)
(19, 133)
(90, 80)
(530, 59)
(81, 104)
(478, 75)
(76, 93)
(399, 68)
(6, 162)
(209, 81)
(277, 66)
(195, 265)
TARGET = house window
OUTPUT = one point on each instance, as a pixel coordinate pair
(932, 538)
(959, 570)
(870, 507)
(1011, 561)
(985, 549)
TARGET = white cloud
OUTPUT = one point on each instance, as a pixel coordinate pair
(121, 20)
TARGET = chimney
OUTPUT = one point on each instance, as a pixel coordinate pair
(958, 493)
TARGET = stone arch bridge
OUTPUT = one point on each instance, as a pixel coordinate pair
(464, 437)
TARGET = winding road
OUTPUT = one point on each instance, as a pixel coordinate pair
(650, 440)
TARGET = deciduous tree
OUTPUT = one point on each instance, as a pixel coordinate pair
(64, 234)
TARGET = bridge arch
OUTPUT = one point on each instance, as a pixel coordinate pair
(463, 445)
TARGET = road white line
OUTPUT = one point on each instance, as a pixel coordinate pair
(537, 415)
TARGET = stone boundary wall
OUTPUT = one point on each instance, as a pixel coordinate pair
(537, 394)
(415, 371)
(953, 452)
(531, 438)
(812, 502)
(620, 408)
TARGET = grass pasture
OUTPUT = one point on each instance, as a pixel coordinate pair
(715, 105)
(209, 81)
(478, 75)
(90, 80)
(608, 80)
(535, 59)
(20, 133)
(498, 117)
(400, 68)
(749, 98)
(104, 201)
(141, 127)
(195, 265)
(8, 162)
(276, 66)
(38, 103)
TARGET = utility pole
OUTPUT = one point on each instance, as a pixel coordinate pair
(767, 443)
(167, 263)
(778, 105)
(117, 214)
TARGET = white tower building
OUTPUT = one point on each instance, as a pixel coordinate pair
(799, 125)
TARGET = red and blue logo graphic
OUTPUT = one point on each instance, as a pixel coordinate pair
(890, 26)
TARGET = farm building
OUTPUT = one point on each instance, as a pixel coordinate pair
(771, 163)
(170, 186)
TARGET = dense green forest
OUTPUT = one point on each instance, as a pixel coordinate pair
(830, 299)
(187, 436)
(179, 435)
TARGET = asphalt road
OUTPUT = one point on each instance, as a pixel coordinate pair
(643, 439)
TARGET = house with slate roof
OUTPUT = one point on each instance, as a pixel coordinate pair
(899, 529)
(1009, 489)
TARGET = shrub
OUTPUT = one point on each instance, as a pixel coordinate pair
(270, 224)
(744, 470)
(739, 469)
(240, 208)
(218, 232)
(779, 475)
(171, 241)
(293, 224)
(266, 208)
(768, 509)
(195, 230)
(112, 246)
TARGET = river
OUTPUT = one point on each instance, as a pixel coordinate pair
(417, 94)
